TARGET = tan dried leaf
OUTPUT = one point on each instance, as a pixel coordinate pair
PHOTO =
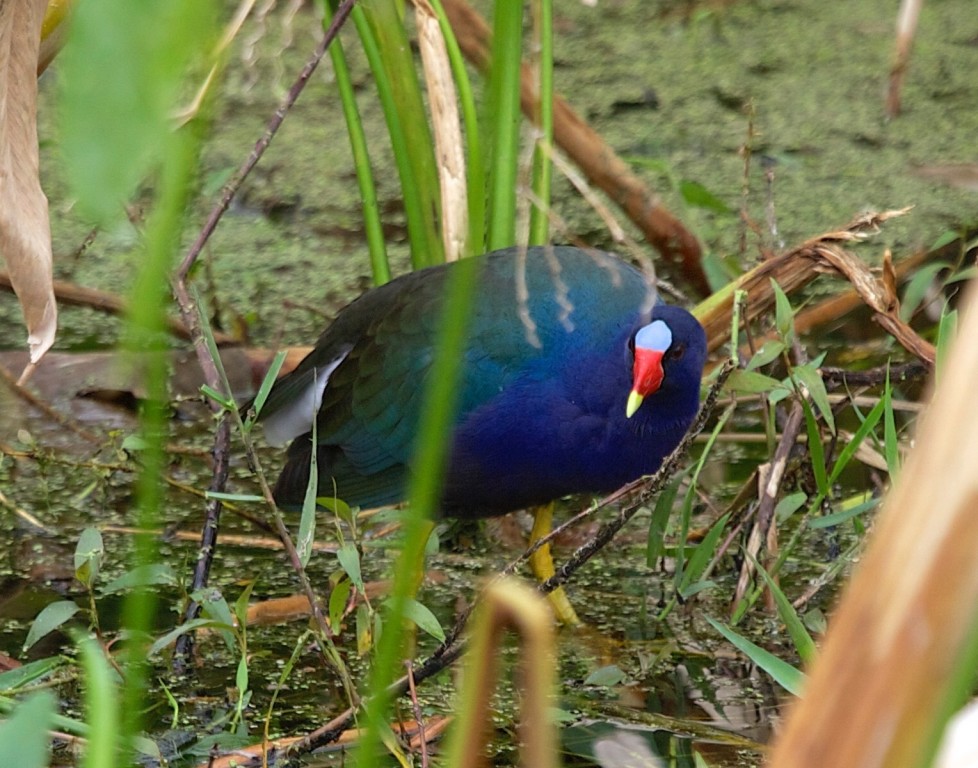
(447, 130)
(25, 233)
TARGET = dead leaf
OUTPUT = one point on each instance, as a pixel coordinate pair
(25, 233)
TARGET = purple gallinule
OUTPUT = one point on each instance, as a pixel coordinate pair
(574, 380)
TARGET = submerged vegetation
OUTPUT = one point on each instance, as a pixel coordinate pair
(716, 594)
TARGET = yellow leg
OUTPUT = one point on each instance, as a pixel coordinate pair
(543, 565)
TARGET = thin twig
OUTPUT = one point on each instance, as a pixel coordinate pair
(31, 399)
(418, 715)
(208, 539)
(231, 188)
(71, 294)
(190, 311)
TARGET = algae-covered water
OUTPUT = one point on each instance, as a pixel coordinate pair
(679, 90)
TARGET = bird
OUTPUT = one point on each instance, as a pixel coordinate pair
(575, 379)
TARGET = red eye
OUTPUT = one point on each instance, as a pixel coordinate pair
(677, 352)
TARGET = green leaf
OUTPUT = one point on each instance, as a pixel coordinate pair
(349, 558)
(812, 380)
(696, 587)
(150, 575)
(655, 543)
(789, 505)
(367, 630)
(433, 545)
(165, 640)
(816, 450)
(701, 558)
(784, 318)
(338, 507)
(214, 607)
(88, 556)
(891, 446)
(425, 620)
(267, 382)
(751, 383)
(338, 597)
(241, 604)
(851, 446)
(240, 497)
(606, 676)
(945, 238)
(815, 621)
(307, 520)
(241, 676)
(771, 350)
(782, 673)
(917, 287)
(53, 616)
(133, 444)
(848, 512)
(799, 635)
(697, 195)
(24, 739)
(221, 398)
(946, 330)
(14, 679)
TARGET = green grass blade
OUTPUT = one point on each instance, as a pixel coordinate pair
(504, 111)
(945, 333)
(372, 225)
(701, 557)
(809, 376)
(816, 450)
(687, 509)
(655, 544)
(101, 707)
(266, 384)
(146, 326)
(388, 50)
(792, 621)
(24, 736)
(430, 452)
(785, 675)
(307, 519)
(851, 446)
(891, 445)
(849, 511)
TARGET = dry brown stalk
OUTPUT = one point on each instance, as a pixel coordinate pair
(797, 267)
(74, 295)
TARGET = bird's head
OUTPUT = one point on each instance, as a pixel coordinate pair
(673, 342)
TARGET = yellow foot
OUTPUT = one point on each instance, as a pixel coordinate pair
(542, 564)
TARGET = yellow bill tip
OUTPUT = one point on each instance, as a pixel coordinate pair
(634, 401)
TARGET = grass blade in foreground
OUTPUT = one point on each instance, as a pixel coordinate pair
(425, 489)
